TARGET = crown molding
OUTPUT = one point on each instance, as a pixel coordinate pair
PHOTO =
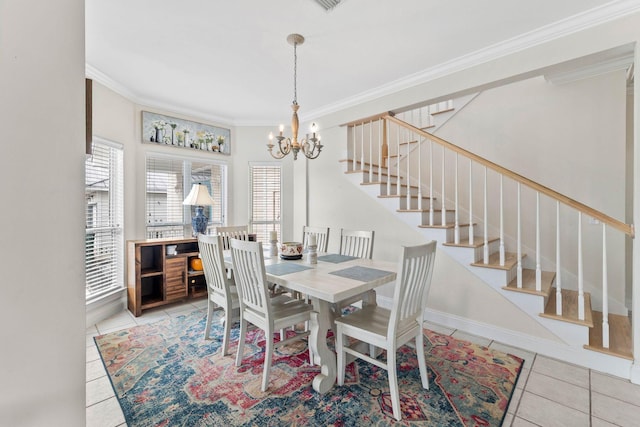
(96, 75)
(592, 70)
(573, 24)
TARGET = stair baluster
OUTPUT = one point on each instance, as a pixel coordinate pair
(456, 227)
(538, 250)
(486, 222)
(605, 290)
(580, 271)
(501, 248)
(430, 182)
(519, 240)
(558, 264)
(443, 201)
(471, 232)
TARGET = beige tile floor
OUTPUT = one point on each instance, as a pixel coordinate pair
(548, 393)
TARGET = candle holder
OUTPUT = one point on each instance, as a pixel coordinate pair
(273, 249)
(312, 254)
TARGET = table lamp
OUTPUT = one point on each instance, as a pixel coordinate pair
(199, 197)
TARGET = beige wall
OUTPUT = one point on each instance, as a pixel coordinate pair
(42, 290)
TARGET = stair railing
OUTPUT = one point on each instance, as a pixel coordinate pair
(376, 151)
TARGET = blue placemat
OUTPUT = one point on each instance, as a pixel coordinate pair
(336, 258)
(285, 268)
(364, 274)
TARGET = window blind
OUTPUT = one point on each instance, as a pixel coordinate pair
(104, 244)
(265, 193)
(168, 181)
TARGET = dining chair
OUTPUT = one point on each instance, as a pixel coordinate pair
(356, 243)
(256, 306)
(322, 237)
(221, 289)
(232, 232)
(390, 329)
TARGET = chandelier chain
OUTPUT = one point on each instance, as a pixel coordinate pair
(295, 73)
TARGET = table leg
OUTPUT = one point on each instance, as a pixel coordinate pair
(323, 356)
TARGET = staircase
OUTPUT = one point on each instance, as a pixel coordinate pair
(492, 220)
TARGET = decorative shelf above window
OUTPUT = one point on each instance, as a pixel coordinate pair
(165, 130)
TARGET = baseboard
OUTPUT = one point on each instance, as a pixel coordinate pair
(558, 350)
(106, 307)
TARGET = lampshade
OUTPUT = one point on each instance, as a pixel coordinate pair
(198, 196)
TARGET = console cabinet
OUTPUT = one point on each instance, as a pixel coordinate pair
(157, 276)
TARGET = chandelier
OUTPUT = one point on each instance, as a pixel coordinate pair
(309, 146)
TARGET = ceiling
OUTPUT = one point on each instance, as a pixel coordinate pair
(229, 61)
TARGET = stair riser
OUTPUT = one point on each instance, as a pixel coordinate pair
(463, 230)
(494, 246)
(413, 203)
(367, 178)
(449, 216)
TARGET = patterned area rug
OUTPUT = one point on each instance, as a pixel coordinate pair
(166, 374)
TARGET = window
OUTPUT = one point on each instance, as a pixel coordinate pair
(169, 180)
(265, 192)
(104, 244)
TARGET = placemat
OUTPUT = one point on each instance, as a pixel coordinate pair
(364, 274)
(336, 258)
(285, 268)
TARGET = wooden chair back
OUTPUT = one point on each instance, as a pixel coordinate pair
(232, 232)
(218, 283)
(251, 279)
(322, 237)
(412, 287)
(356, 243)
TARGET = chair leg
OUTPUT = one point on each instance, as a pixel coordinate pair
(243, 333)
(422, 363)
(268, 356)
(207, 329)
(393, 383)
(340, 355)
(228, 313)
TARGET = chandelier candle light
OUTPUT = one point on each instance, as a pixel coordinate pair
(310, 147)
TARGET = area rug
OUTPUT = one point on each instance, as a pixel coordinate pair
(166, 374)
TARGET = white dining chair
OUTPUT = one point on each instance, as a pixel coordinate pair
(256, 306)
(220, 287)
(232, 232)
(359, 244)
(322, 237)
(390, 329)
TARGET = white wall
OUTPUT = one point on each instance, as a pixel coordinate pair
(42, 297)
(334, 202)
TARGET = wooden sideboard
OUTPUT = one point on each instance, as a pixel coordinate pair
(156, 278)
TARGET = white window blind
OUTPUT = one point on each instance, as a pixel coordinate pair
(104, 244)
(169, 180)
(265, 183)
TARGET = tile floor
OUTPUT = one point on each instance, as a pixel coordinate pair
(548, 392)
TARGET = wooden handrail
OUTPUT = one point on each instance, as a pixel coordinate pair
(370, 118)
(602, 217)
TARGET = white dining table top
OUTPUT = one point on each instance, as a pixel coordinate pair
(320, 281)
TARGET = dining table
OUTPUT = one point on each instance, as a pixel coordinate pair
(332, 279)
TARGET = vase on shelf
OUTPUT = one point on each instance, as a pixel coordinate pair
(158, 135)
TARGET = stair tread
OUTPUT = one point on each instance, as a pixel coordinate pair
(510, 259)
(529, 283)
(393, 184)
(435, 113)
(620, 343)
(423, 210)
(363, 171)
(375, 165)
(447, 225)
(389, 196)
(478, 241)
(569, 308)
